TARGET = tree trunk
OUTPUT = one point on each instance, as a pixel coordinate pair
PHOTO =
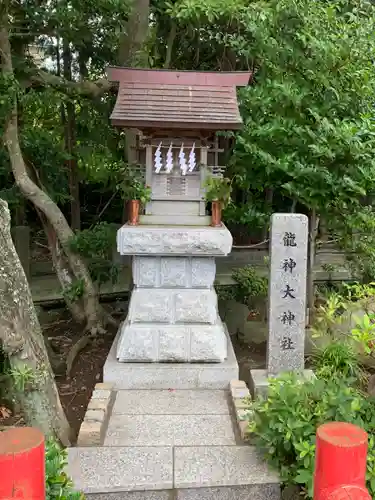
(69, 121)
(135, 36)
(171, 39)
(22, 341)
(131, 54)
(268, 204)
(60, 263)
(61, 267)
(313, 232)
(92, 310)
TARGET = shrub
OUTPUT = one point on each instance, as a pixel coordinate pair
(337, 316)
(96, 245)
(58, 484)
(337, 360)
(285, 424)
(249, 285)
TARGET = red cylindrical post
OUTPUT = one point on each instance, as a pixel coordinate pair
(22, 469)
(341, 451)
(347, 493)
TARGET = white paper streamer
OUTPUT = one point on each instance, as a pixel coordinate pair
(169, 163)
(158, 161)
(192, 162)
(183, 164)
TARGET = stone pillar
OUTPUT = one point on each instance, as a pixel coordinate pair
(287, 293)
(287, 300)
(173, 312)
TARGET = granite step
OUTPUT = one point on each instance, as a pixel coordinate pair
(172, 402)
(170, 430)
(167, 472)
(170, 418)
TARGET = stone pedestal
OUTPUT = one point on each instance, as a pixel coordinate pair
(173, 313)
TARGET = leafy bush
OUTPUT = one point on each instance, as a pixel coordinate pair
(132, 184)
(285, 424)
(350, 313)
(338, 360)
(96, 245)
(218, 189)
(249, 285)
(58, 484)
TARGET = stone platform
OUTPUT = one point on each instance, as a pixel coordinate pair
(149, 239)
(168, 445)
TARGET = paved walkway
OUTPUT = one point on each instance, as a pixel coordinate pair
(167, 444)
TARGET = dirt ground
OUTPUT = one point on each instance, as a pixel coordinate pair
(75, 391)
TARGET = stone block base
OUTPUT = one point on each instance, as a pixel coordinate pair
(174, 306)
(173, 272)
(170, 375)
(173, 343)
(173, 312)
(259, 381)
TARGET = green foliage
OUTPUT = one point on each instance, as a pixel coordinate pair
(58, 484)
(249, 285)
(249, 214)
(211, 10)
(23, 377)
(225, 292)
(328, 315)
(358, 291)
(332, 317)
(96, 245)
(309, 133)
(92, 30)
(364, 332)
(218, 189)
(285, 424)
(338, 359)
(9, 89)
(75, 291)
(132, 185)
(4, 362)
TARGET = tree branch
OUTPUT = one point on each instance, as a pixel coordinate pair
(86, 88)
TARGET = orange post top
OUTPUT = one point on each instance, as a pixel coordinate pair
(347, 493)
(22, 469)
(340, 462)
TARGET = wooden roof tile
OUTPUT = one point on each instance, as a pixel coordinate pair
(177, 99)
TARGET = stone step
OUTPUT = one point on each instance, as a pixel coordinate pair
(166, 473)
(169, 430)
(133, 495)
(164, 402)
(170, 418)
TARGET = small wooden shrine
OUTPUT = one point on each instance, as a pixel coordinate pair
(177, 115)
(173, 313)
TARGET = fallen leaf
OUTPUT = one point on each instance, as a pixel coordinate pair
(5, 412)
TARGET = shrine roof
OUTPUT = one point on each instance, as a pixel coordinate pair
(177, 99)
